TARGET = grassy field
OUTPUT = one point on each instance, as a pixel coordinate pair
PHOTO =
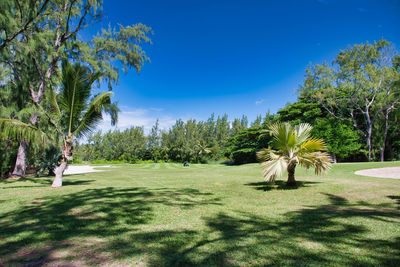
(168, 215)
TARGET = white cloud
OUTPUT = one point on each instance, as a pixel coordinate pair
(258, 102)
(128, 117)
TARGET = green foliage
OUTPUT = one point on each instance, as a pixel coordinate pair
(359, 87)
(301, 112)
(242, 148)
(19, 131)
(341, 139)
(8, 153)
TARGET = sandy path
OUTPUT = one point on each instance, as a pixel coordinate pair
(83, 169)
(388, 172)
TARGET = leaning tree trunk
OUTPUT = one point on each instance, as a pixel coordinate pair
(59, 173)
(291, 181)
(20, 162)
(67, 155)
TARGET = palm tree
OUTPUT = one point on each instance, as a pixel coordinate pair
(77, 115)
(292, 146)
(70, 112)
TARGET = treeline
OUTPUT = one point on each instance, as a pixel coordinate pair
(352, 103)
(193, 141)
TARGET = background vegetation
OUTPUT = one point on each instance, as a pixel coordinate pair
(352, 102)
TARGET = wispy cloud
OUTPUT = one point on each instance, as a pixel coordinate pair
(156, 109)
(145, 118)
(362, 10)
(258, 102)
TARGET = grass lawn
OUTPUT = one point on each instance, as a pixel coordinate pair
(168, 215)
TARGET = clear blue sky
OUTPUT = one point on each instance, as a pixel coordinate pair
(236, 57)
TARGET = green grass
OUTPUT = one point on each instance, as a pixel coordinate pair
(167, 215)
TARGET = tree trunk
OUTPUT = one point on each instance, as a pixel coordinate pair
(67, 155)
(20, 162)
(369, 142)
(59, 174)
(291, 181)
(333, 157)
(385, 135)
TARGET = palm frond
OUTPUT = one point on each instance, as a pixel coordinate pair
(75, 92)
(312, 144)
(282, 135)
(18, 130)
(320, 161)
(273, 164)
(302, 132)
(93, 115)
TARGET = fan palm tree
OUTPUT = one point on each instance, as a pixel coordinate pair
(70, 111)
(292, 146)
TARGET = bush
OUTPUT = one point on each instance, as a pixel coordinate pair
(243, 156)
(77, 161)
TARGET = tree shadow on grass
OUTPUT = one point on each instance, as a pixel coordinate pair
(62, 228)
(279, 185)
(46, 180)
(397, 199)
(104, 227)
(332, 234)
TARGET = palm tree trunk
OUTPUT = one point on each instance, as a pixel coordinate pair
(20, 162)
(59, 173)
(67, 155)
(291, 181)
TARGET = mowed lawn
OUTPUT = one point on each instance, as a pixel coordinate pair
(169, 215)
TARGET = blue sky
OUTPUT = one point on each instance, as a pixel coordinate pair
(235, 57)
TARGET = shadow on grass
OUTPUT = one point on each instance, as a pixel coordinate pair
(311, 236)
(278, 185)
(44, 180)
(397, 199)
(43, 228)
(105, 226)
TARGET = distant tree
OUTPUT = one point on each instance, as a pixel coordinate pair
(342, 141)
(222, 131)
(236, 127)
(154, 142)
(358, 87)
(242, 147)
(292, 146)
(257, 121)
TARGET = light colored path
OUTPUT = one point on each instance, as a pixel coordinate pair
(83, 169)
(388, 172)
